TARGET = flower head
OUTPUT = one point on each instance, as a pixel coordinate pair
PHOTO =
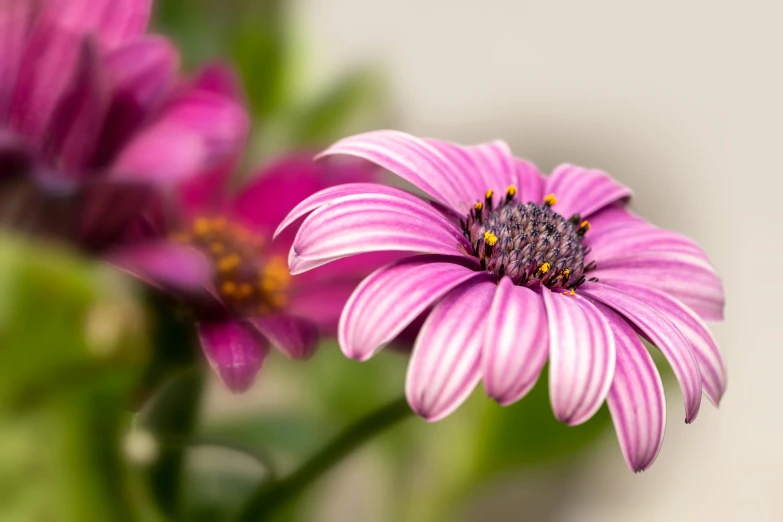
(517, 269)
(93, 114)
(218, 259)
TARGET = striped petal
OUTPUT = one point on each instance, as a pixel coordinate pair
(15, 19)
(529, 182)
(581, 359)
(372, 222)
(445, 365)
(663, 334)
(685, 277)
(636, 399)
(622, 240)
(234, 351)
(713, 369)
(164, 265)
(516, 343)
(418, 162)
(392, 297)
(486, 166)
(330, 194)
(583, 191)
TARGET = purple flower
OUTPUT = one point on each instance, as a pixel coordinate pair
(217, 257)
(516, 270)
(93, 115)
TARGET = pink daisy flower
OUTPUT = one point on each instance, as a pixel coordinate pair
(518, 270)
(94, 115)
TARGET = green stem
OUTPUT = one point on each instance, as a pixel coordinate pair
(272, 495)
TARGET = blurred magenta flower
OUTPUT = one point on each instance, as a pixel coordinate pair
(216, 255)
(518, 269)
(93, 116)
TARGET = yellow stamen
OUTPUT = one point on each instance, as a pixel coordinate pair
(202, 226)
(550, 200)
(544, 267)
(566, 272)
(511, 191)
(585, 225)
(278, 299)
(228, 263)
(490, 238)
(228, 288)
(245, 289)
(219, 223)
(573, 292)
(217, 248)
(478, 206)
(489, 194)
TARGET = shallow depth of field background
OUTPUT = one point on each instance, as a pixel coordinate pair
(679, 100)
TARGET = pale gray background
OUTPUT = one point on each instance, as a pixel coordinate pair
(678, 99)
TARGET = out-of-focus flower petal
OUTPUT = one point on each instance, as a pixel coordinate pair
(234, 351)
(393, 296)
(685, 277)
(581, 357)
(220, 79)
(713, 369)
(16, 17)
(164, 264)
(270, 195)
(112, 21)
(636, 400)
(142, 73)
(417, 161)
(196, 132)
(47, 67)
(78, 117)
(663, 334)
(529, 182)
(446, 362)
(295, 337)
(486, 166)
(372, 222)
(516, 344)
(583, 191)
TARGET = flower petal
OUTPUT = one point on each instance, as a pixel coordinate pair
(163, 264)
(222, 79)
(485, 166)
(372, 222)
(47, 67)
(529, 182)
(581, 357)
(418, 162)
(330, 194)
(234, 352)
(15, 19)
(196, 132)
(663, 334)
(111, 21)
(636, 399)
(713, 369)
(142, 73)
(583, 191)
(77, 120)
(446, 362)
(685, 277)
(516, 343)
(295, 337)
(622, 240)
(392, 297)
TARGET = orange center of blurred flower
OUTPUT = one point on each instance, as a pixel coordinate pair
(248, 282)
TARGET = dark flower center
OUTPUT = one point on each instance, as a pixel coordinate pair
(530, 243)
(247, 281)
